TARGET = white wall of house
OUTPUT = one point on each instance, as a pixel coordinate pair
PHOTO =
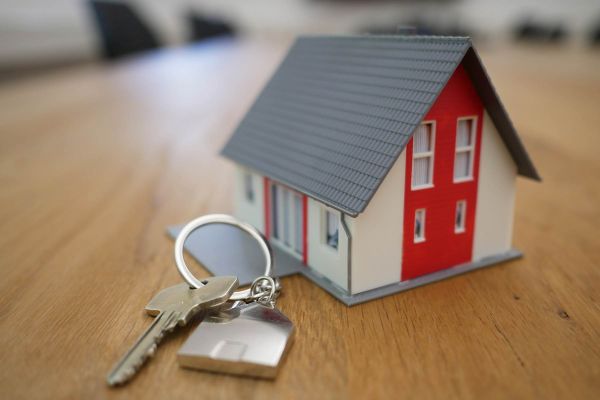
(251, 211)
(377, 234)
(495, 195)
(329, 262)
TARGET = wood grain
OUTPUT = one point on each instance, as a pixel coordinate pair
(96, 161)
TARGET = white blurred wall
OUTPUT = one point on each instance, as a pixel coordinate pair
(50, 31)
(33, 31)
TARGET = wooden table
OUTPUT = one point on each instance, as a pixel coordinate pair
(96, 161)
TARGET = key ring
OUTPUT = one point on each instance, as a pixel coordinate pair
(191, 226)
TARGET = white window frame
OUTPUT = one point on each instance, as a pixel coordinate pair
(325, 231)
(421, 238)
(460, 228)
(248, 187)
(430, 154)
(463, 149)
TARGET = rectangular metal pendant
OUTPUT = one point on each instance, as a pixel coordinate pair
(251, 339)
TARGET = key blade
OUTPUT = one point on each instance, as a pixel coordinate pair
(143, 348)
(172, 306)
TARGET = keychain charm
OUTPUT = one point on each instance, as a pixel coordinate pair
(251, 336)
(247, 339)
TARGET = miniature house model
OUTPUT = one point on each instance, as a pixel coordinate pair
(380, 162)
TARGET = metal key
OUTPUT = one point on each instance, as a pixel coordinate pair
(173, 306)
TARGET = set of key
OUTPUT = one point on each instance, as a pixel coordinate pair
(237, 338)
(242, 331)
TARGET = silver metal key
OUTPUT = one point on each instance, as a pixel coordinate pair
(173, 306)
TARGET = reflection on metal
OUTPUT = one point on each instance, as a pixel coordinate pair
(248, 339)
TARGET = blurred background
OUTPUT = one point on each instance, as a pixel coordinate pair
(39, 35)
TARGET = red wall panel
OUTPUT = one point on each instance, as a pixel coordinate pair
(443, 248)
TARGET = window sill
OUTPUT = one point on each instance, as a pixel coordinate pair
(463, 180)
(422, 187)
(419, 240)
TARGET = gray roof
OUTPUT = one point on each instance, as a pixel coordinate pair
(338, 112)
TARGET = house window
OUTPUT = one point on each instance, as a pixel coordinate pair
(248, 187)
(332, 223)
(422, 167)
(459, 219)
(420, 225)
(465, 145)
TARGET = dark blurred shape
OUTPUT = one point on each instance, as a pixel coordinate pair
(417, 27)
(202, 28)
(531, 31)
(121, 29)
(595, 34)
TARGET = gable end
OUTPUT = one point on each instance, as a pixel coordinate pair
(498, 114)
